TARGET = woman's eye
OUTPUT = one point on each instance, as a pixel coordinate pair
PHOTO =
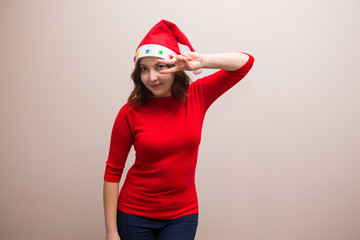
(142, 69)
(161, 67)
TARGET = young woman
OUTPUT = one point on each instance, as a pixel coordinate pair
(163, 120)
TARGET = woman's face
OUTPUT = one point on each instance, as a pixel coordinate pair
(158, 83)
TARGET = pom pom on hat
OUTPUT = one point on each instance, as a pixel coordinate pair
(162, 41)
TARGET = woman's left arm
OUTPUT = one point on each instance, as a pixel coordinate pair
(226, 61)
(192, 61)
(234, 67)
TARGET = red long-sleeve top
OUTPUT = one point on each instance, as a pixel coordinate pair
(166, 135)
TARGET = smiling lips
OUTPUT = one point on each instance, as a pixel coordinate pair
(156, 85)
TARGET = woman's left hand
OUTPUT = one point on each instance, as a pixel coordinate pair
(187, 61)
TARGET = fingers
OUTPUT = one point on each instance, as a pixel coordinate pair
(168, 62)
(181, 62)
(169, 70)
(185, 56)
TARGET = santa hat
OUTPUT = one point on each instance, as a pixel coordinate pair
(162, 41)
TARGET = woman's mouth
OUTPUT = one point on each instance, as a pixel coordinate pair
(156, 85)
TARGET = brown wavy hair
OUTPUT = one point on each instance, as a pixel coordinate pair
(140, 95)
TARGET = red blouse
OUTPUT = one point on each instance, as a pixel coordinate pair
(166, 135)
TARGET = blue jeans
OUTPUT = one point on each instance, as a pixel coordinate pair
(131, 227)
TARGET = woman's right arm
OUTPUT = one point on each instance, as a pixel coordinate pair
(111, 192)
(122, 138)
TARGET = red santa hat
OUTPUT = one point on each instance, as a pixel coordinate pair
(162, 41)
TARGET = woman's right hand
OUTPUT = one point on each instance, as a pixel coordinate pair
(112, 236)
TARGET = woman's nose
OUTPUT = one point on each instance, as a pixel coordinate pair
(153, 75)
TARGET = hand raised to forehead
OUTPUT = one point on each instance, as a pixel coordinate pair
(187, 61)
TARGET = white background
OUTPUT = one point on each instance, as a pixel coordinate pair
(279, 158)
